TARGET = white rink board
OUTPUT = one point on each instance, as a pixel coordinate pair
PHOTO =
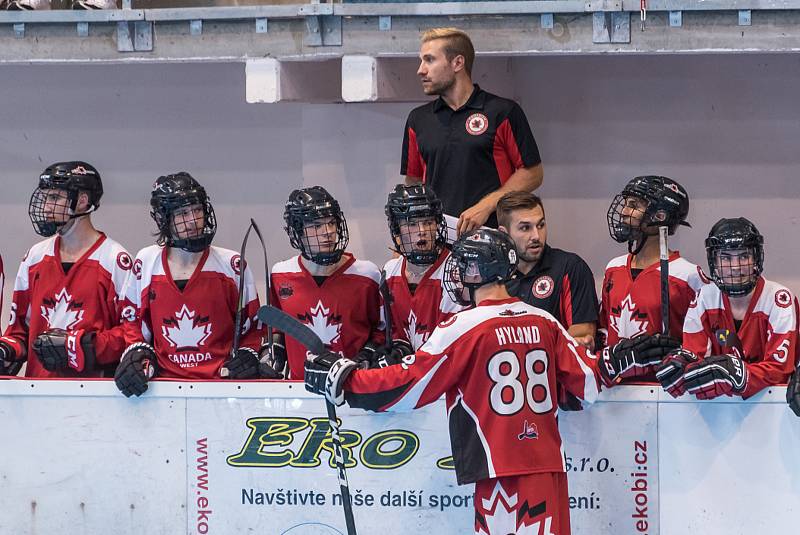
(719, 468)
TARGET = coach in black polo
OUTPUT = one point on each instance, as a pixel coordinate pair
(470, 146)
(557, 281)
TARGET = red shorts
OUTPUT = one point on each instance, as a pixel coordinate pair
(533, 503)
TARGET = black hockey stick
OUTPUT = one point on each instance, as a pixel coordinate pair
(664, 259)
(302, 333)
(237, 332)
(386, 297)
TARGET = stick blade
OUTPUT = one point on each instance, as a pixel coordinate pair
(278, 319)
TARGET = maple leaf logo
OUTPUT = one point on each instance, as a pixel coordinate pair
(501, 516)
(186, 330)
(324, 325)
(627, 321)
(58, 314)
(417, 335)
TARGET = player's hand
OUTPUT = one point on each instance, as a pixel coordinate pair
(716, 375)
(325, 375)
(670, 372)
(586, 341)
(9, 363)
(474, 216)
(393, 355)
(243, 365)
(272, 364)
(634, 357)
(58, 350)
(137, 366)
(793, 392)
(367, 357)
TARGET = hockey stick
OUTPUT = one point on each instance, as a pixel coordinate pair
(237, 332)
(664, 259)
(387, 299)
(308, 338)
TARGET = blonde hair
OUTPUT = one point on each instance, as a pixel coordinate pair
(457, 43)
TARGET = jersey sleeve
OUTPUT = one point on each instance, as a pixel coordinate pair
(517, 139)
(601, 340)
(578, 300)
(411, 163)
(696, 335)
(16, 333)
(110, 343)
(780, 351)
(135, 313)
(576, 368)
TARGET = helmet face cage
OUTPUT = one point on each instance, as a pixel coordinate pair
(478, 258)
(416, 223)
(735, 252)
(309, 233)
(620, 225)
(178, 227)
(54, 202)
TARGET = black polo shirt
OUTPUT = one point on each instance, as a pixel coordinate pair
(560, 283)
(467, 153)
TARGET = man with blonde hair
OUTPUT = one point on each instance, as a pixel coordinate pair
(468, 145)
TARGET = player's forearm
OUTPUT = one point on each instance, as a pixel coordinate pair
(583, 333)
(523, 179)
(109, 345)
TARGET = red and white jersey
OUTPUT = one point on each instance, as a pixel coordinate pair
(767, 338)
(191, 330)
(498, 364)
(414, 316)
(344, 311)
(631, 307)
(86, 298)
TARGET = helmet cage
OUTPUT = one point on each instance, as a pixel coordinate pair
(299, 224)
(716, 245)
(472, 265)
(163, 211)
(48, 217)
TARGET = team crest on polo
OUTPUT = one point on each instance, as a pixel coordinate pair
(543, 287)
(477, 124)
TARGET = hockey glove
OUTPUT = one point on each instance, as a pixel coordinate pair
(368, 356)
(392, 355)
(325, 375)
(670, 372)
(716, 375)
(793, 392)
(272, 364)
(9, 363)
(58, 350)
(137, 366)
(243, 365)
(634, 357)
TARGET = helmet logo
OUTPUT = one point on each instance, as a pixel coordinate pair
(80, 170)
(512, 256)
(543, 287)
(673, 187)
(477, 124)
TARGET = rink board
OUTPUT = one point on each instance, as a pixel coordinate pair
(256, 458)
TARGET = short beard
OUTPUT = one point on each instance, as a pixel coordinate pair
(440, 88)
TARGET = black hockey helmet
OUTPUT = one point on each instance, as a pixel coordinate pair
(170, 194)
(305, 207)
(667, 204)
(730, 235)
(72, 177)
(482, 256)
(409, 204)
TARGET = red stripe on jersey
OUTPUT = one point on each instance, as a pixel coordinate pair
(416, 165)
(507, 157)
(566, 302)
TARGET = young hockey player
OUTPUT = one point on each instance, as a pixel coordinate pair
(325, 287)
(182, 298)
(631, 291)
(498, 364)
(65, 313)
(742, 327)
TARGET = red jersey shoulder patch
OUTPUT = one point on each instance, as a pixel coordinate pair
(783, 298)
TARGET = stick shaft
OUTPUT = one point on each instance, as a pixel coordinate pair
(664, 265)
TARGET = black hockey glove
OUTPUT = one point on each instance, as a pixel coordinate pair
(634, 357)
(716, 375)
(272, 364)
(137, 366)
(793, 392)
(670, 372)
(59, 350)
(10, 364)
(243, 365)
(393, 355)
(325, 375)
(368, 356)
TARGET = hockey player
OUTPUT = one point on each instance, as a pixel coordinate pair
(65, 313)
(498, 364)
(414, 280)
(742, 327)
(630, 295)
(182, 298)
(324, 286)
(793, 392)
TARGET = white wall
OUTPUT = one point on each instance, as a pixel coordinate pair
(724, 126)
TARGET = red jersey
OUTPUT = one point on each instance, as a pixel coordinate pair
(191, 330)
(767, 338)
(498, 364)
(344, 311)
(85, 298)
(631, 307)
(414, 316)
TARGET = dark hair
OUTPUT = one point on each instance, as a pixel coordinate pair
(515, 200)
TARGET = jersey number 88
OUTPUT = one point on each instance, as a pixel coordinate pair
(508, 394)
